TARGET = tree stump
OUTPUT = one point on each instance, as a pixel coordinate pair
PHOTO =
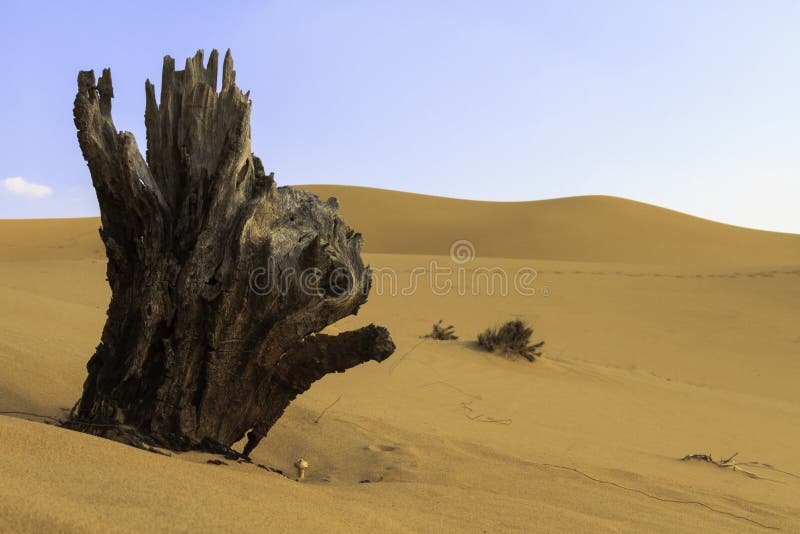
(221, 281)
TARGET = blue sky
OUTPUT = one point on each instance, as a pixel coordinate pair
(691, 105)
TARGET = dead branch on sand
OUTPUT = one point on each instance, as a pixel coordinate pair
(728, 463)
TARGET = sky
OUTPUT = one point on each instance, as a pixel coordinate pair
(693, 105)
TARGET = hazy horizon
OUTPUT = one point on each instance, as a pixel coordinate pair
(688, 106)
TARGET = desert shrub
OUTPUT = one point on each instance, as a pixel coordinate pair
(441, 332)
(514, 337)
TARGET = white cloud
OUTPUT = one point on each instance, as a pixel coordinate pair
(20, 186)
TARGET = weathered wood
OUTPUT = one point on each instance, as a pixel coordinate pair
(220, 280)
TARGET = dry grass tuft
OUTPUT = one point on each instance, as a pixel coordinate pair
(442, 333)
(514, 337)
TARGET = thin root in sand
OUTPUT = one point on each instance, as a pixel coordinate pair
(470, 414)
(328, 407)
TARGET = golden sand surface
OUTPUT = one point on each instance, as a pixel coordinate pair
(666, 335)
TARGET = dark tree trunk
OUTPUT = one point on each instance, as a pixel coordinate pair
(220, 280)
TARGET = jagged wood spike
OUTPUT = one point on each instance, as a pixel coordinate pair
(211, 70)
(195, 352)
(228, 74)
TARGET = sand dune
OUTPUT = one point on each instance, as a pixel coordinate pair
(665, 335)
(589, 228)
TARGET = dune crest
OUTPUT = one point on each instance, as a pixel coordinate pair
(586, 228)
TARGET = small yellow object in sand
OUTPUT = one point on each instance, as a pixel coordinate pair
(301, 466)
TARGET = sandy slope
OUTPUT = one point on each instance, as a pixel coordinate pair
(648, 358)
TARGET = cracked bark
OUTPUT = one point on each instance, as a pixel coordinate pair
(220, 280)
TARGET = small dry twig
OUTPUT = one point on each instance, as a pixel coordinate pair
(770, 467)
(728, 463)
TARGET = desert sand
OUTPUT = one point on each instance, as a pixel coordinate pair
(666, 335)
